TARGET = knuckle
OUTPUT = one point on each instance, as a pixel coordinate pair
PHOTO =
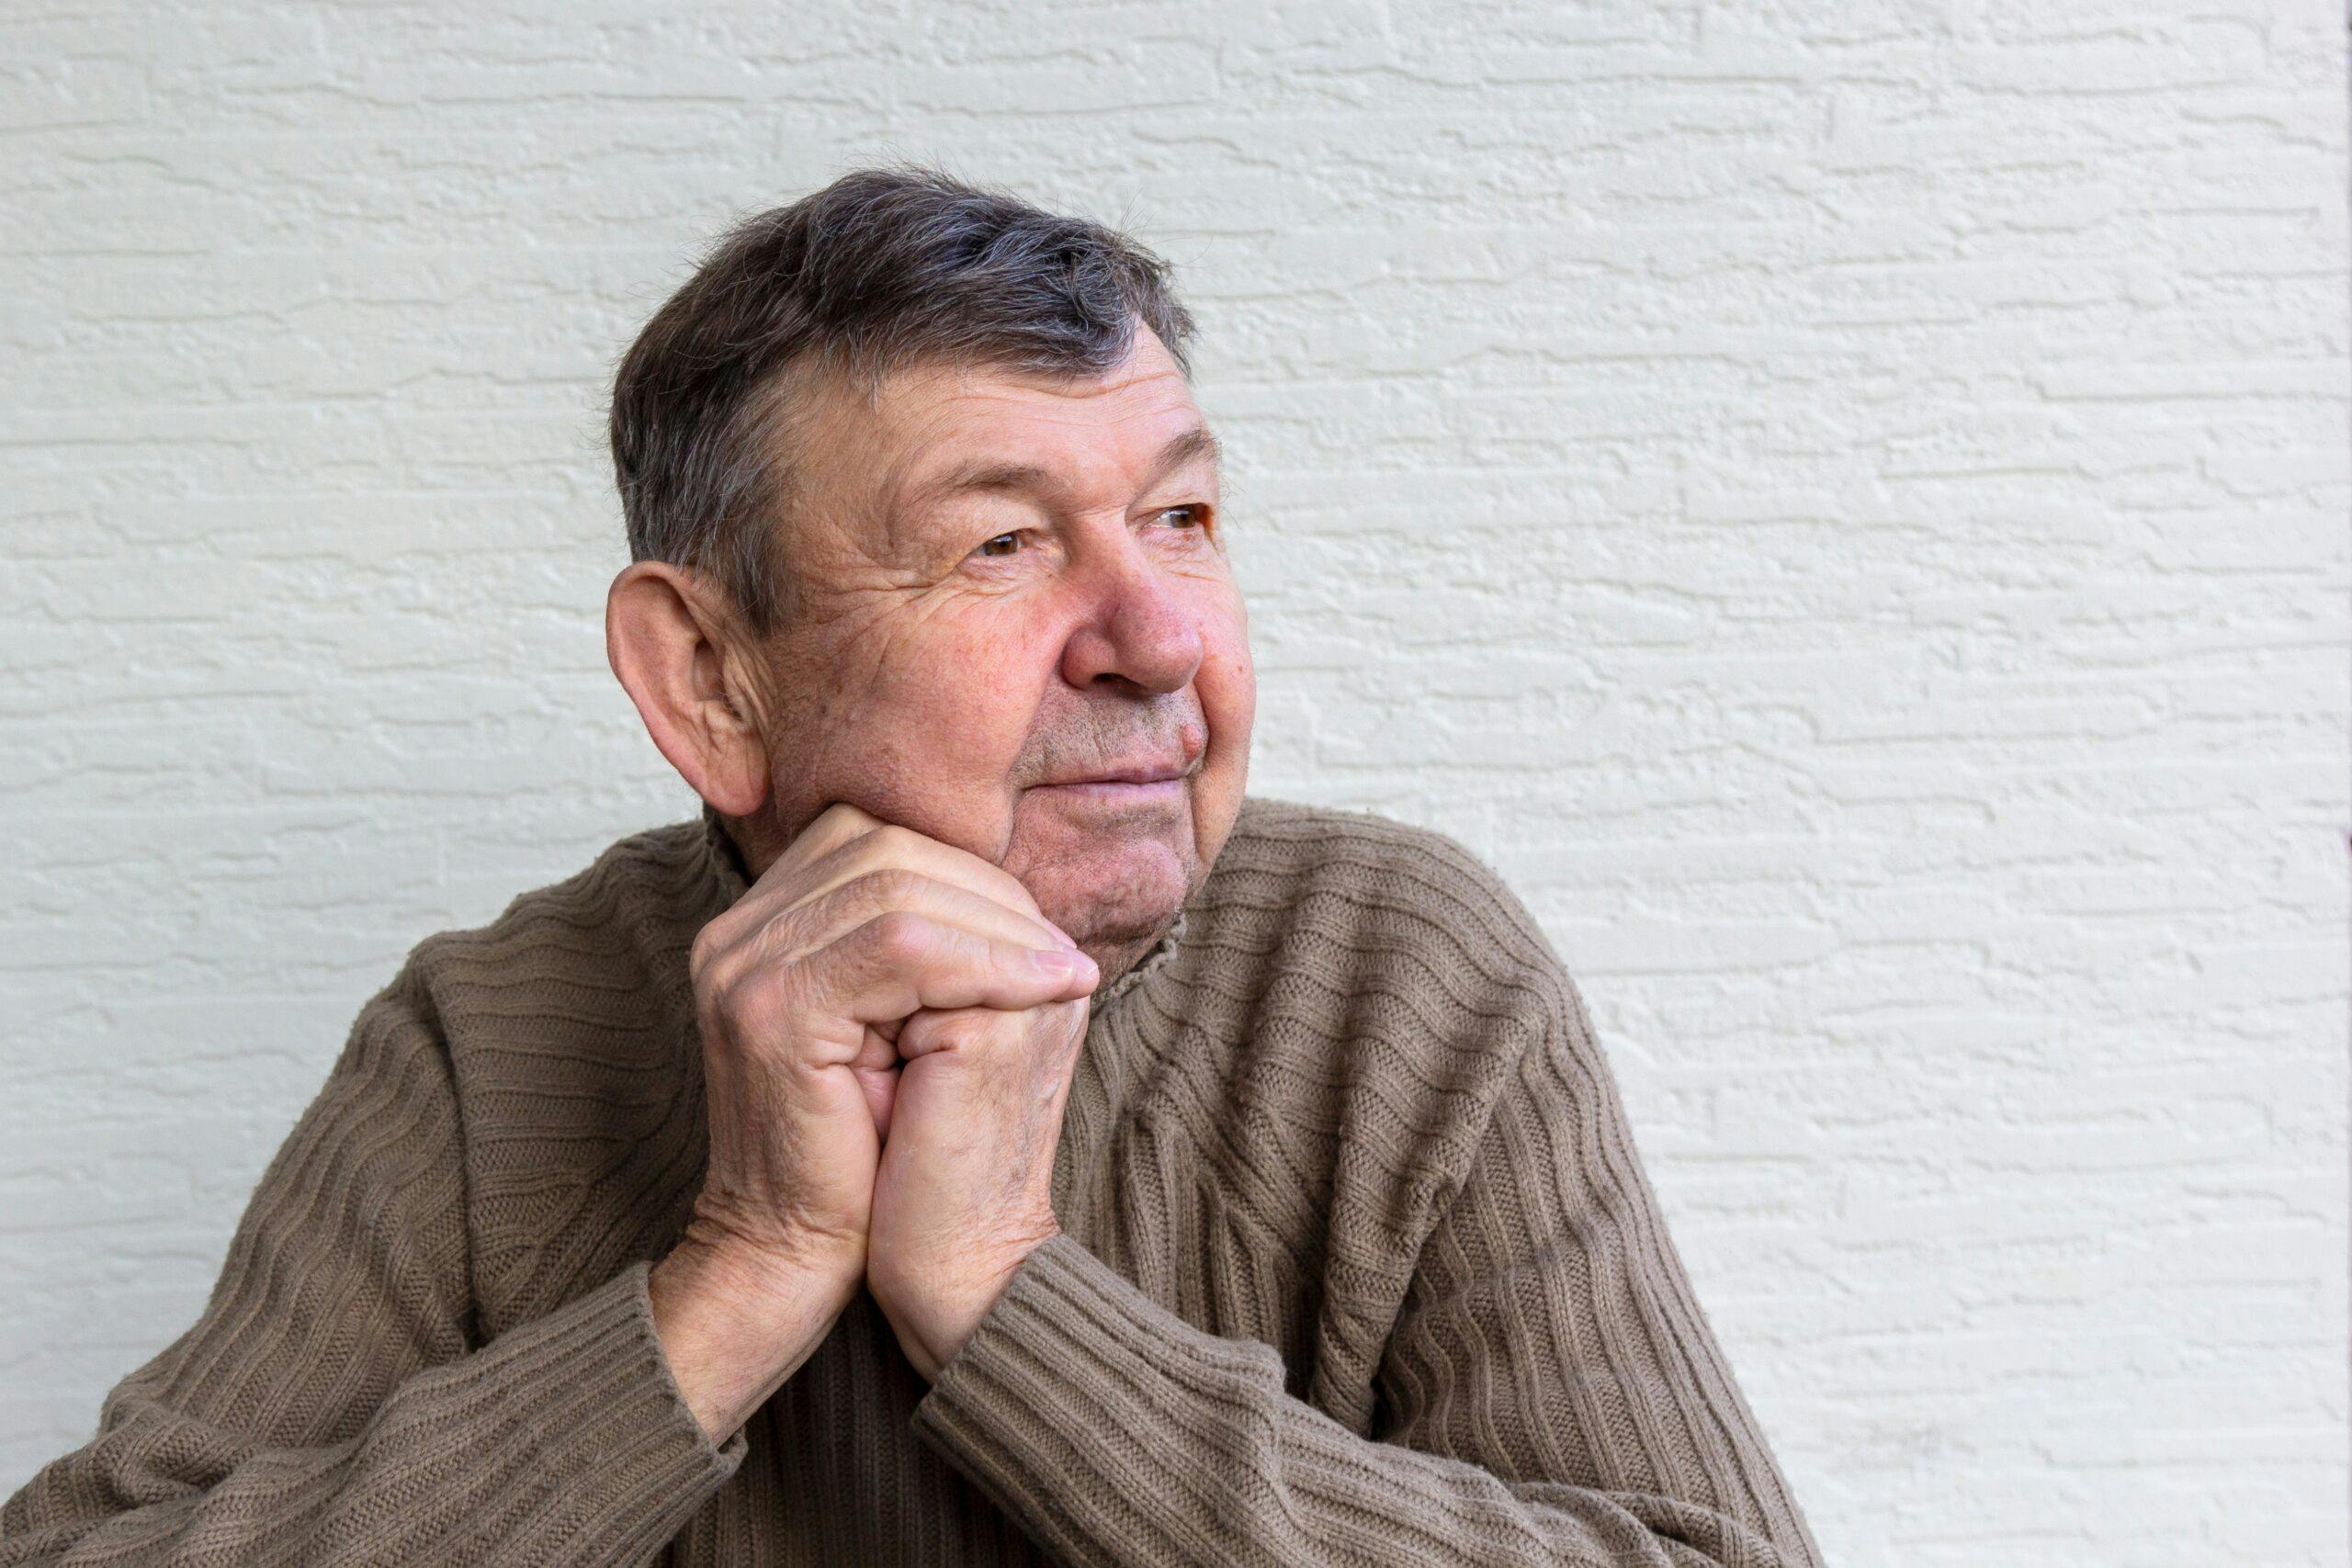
(708, 943)
(844, 812)
(891, 887)
(894, 842)
(966, 1026)
(898, 936)
(720, 972)
(757, 1003)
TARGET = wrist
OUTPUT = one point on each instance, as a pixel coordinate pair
(934, 1323)
(734, 1329)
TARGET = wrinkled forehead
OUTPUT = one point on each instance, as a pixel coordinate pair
(921, 433)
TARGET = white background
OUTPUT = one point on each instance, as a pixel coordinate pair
(1845, 506)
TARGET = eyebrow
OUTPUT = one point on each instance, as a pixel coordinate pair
(985, 475)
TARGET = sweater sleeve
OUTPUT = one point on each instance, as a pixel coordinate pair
(331, 1403)
(1550, 1393)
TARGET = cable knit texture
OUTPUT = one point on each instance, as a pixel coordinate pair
(1358, 1266)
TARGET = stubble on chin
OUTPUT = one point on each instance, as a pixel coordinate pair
(1105, 889)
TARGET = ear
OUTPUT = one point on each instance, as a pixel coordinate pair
(668, 643)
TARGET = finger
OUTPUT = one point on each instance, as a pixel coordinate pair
(839, 823)
(942, 1028)
(881, 1099)
(866, 848)
(755, 940)
(900, 961)
(843, 906)
(889, 845)
(877, 1052)
(779, 886)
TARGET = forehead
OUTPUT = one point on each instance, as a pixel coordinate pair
(930, 426)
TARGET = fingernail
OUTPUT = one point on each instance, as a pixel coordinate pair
(1056, 961)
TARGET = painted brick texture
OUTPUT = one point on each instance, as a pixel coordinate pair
(1844, 507)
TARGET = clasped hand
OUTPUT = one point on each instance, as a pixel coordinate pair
(888, 1027)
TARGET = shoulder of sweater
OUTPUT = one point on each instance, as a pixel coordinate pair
(1380, 962)
(1290, 851)
(644, 895)
(567, 1025)
(572, 980)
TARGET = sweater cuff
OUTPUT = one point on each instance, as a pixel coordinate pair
(614, 1449)
(1074, 1388)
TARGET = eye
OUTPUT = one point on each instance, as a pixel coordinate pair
(1194, 515)
(985, 542)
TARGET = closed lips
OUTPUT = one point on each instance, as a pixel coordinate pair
(1131, 775)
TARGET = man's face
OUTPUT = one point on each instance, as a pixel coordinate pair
(1006, 582)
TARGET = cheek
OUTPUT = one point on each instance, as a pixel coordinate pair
(1228, 687)
(1227, 679)
(976, 673)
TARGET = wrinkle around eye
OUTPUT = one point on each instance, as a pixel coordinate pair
(1202, 526)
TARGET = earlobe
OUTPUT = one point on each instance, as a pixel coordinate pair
(662, 646)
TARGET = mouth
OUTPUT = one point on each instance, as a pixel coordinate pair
(1131, 773)
(1133, 783)
(1114, 792)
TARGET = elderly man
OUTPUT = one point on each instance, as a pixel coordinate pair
(986, 1135)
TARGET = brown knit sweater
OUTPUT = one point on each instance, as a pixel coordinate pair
(1358, 1266)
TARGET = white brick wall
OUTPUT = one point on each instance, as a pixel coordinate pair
(1844, 505)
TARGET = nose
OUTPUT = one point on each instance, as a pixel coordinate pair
(1139, 628)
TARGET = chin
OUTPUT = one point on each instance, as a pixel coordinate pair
(1109, 899)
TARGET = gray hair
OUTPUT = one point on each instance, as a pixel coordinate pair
(884, 267)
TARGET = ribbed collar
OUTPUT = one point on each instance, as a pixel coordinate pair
(724, 862)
